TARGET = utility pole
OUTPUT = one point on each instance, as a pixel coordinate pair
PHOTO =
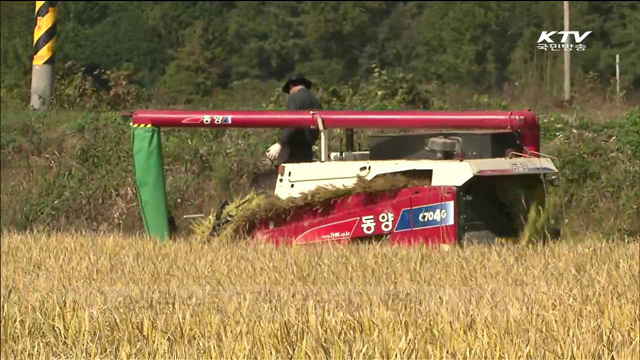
(567, 59)
(44, 39)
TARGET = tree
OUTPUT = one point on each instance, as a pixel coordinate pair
(338, 33)
(16, 39)
(121, 34)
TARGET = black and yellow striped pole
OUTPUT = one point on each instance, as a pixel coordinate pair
(44, 40)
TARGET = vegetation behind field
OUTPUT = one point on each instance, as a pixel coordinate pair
(181, 52)
(72, 169)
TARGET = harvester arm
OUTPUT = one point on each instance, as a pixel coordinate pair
(525, 122)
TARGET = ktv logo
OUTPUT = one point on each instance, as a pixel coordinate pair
(545, 41)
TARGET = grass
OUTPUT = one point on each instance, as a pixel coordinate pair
(84, 295)
(73, 170)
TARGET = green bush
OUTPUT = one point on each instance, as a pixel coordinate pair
(97, 90)
(600, 171)
(381, 90)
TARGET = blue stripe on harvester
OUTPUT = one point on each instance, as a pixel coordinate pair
(426, 216)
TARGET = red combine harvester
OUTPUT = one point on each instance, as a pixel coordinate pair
(482, 172)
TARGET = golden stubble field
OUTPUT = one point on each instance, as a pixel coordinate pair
(86, 296)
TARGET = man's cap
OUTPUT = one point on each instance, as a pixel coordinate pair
(297, 79)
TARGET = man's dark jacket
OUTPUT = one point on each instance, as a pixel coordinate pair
(300, 141)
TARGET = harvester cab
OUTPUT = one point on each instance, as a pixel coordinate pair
(468, 176)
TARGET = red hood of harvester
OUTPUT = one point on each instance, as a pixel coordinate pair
(524, 122)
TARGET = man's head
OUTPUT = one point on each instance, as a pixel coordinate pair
(295, 83)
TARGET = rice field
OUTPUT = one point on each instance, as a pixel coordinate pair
(88, 296)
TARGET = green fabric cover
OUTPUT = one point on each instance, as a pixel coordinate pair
(149, 172)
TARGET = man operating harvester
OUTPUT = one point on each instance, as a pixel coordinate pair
(296, 145)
